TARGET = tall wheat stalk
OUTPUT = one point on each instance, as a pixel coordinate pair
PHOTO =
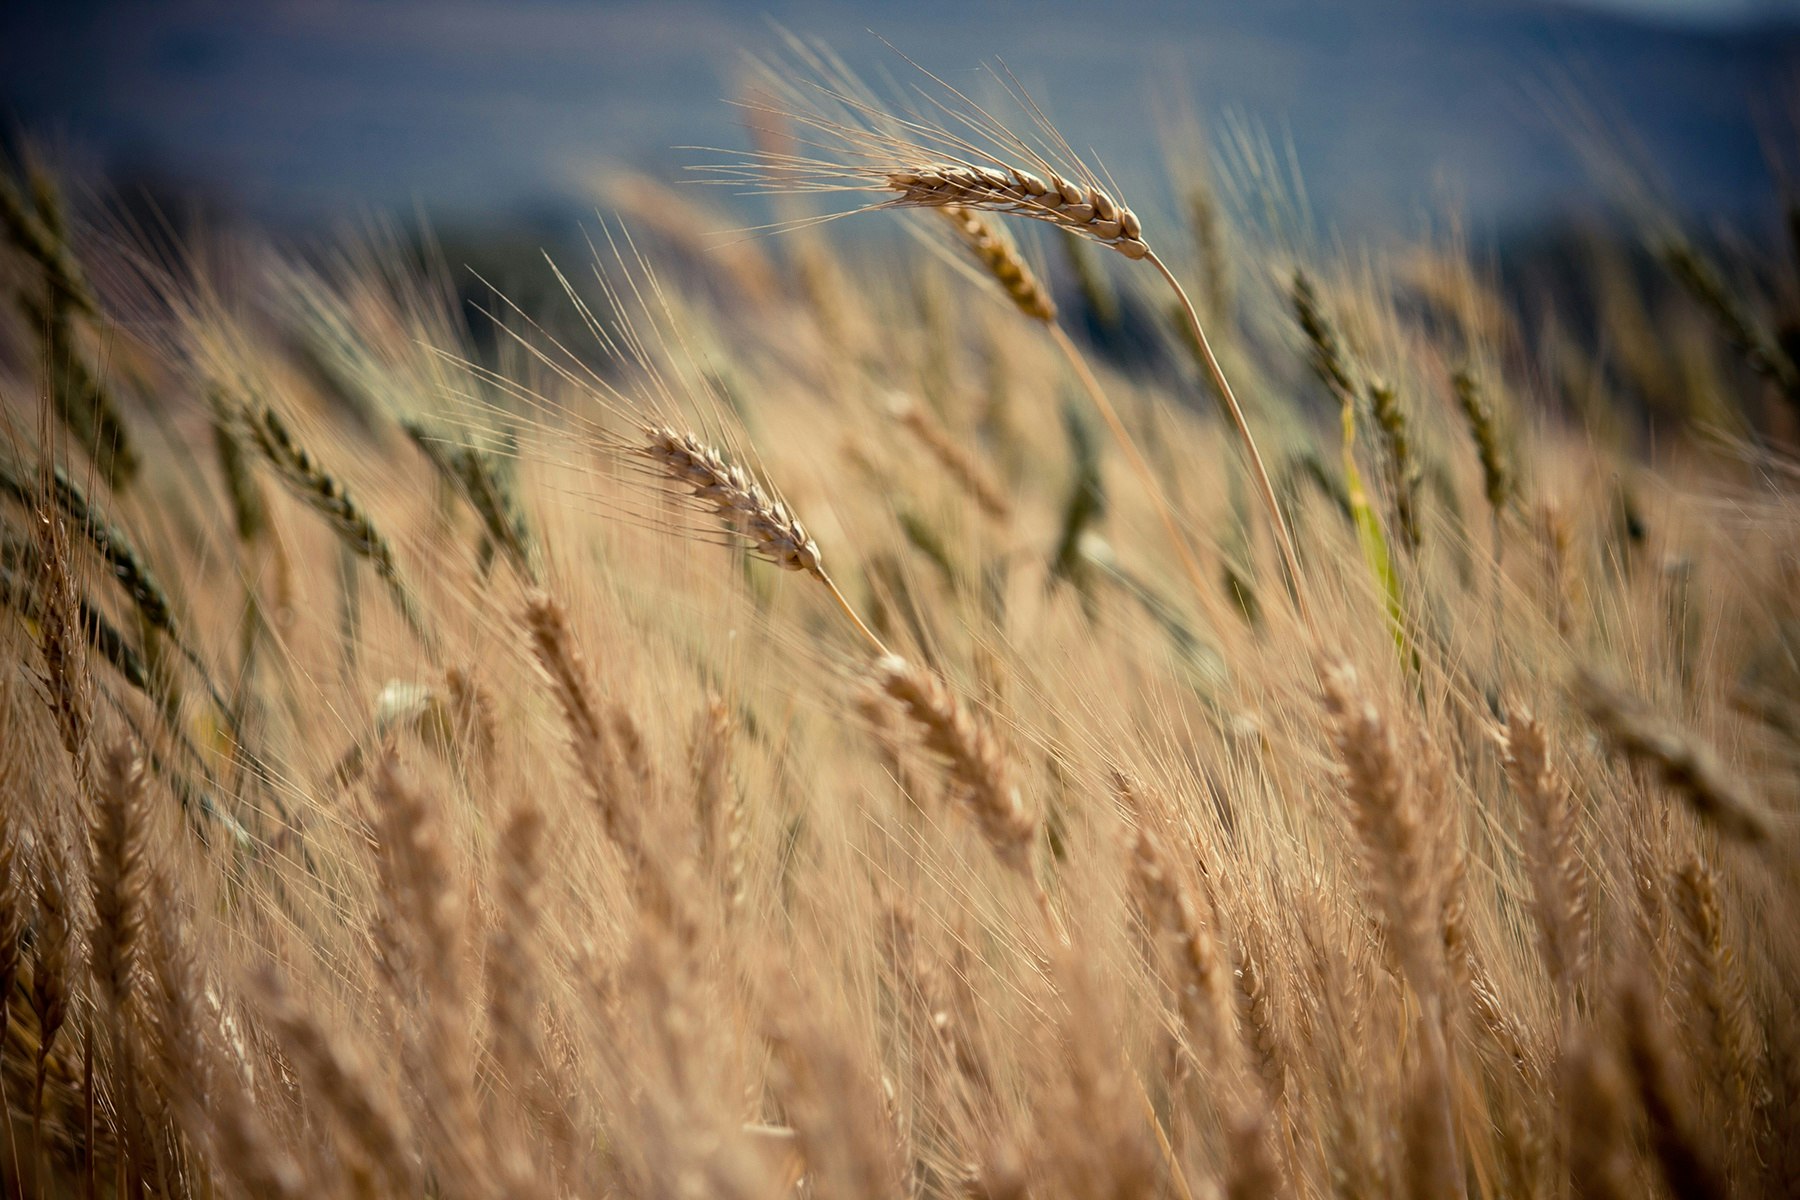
(914, 159)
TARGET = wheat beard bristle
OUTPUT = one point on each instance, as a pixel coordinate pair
(1087, 211)
(739, 500)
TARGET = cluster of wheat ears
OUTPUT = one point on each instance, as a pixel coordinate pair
(1046, 792)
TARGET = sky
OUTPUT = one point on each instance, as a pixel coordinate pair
(307, 110)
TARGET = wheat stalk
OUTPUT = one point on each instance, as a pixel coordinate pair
(1015, 277)
(1090, 213)
(745, 509)
(916, 161)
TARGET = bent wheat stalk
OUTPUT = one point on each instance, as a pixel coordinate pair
(745, 509)
(953, 154)
(1028, 295)
(1283, 538)
(1089, 212)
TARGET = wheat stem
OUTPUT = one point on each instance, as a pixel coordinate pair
(880, 647)
(1282, 537)
(1139, 466)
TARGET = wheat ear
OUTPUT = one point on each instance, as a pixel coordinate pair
(958, 461)
(1484, 429)
(974, 757)
(1172, 910)
(1718, 987)
(1387, 815)
(118, 870)
(1558, 879)
(1085, 211)
(322, 492)
(1687, 764)
(1676, 1135)
(1332, 364)
(338, 1078)
(14, 901)
(52, 967)
(607, 752)
(1004, 262)
(746, 510)
(976, 764)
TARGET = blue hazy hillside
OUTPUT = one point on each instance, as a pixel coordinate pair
(476, 109)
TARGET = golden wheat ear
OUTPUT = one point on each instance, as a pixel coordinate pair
(1004, 262)
(1689, 766)
(772, 531)
(976, 764)
(1084, 210)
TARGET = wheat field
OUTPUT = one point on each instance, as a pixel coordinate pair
(803, 716)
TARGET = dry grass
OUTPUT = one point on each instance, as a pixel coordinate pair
(637, 865)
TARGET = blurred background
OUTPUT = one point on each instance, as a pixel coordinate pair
(491, 115)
